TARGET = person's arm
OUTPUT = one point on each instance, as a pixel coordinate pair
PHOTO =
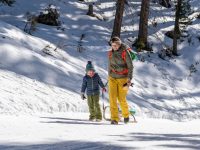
(129, 65)
(109, 67)
(84, 85)
(100, 82)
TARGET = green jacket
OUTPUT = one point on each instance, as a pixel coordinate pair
(117, 63)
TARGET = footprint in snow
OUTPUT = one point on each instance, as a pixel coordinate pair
(163, 88)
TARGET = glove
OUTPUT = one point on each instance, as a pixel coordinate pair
(129, 83)
(83, 96)
(104, 89)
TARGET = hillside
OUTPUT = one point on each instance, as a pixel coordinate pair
(162, 89)
(41, 75)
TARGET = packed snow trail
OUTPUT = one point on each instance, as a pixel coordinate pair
(72, 131)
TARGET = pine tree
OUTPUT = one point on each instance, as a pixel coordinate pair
(7, 2)
(143, 26)
(176, 27)
(118, 18)
(185, 10)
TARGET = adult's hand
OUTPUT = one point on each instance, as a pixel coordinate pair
(129, 82)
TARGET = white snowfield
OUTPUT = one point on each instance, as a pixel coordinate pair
(20, 95)
(73, 131)
(40, 104)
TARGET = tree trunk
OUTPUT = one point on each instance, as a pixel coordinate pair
(143, 27)
(90, 10)
(176, 27)
(118, 18)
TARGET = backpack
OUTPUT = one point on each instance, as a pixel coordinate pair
(131, 53)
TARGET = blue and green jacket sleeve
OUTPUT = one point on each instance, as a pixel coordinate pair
(84, 85)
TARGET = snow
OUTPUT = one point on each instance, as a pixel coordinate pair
(22, 95)
(172, 94)
(62, 131)
(40, 104)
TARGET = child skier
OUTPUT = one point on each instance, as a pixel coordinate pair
(91, 82)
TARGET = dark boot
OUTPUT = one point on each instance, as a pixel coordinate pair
(114, 122)
(126, 120)
(91, 119)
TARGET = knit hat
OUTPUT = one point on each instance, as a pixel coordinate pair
(89, 66)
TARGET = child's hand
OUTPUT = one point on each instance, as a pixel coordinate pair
(83, 96)
(104, 90)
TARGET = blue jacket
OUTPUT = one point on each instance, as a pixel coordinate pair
(92, 84)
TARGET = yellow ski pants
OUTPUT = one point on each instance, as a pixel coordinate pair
(117, 93)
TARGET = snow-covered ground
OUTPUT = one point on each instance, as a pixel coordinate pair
(72, 131)
(37, 88)
(20, 95)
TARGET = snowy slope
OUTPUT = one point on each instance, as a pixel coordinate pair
(21, 95)
(22, 56)
(40, 105)
(162, 89)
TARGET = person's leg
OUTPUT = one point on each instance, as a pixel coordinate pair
(91, 107)
(122, 97)
(112, 84)
(98, 113)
